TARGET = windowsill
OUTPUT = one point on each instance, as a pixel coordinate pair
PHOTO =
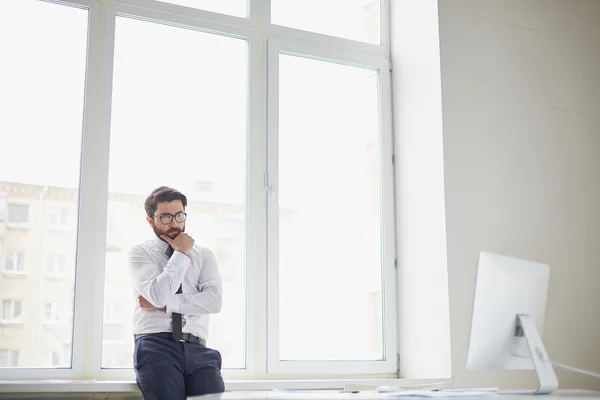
(10, 322)
(14, 273)
(56, 276)
(59, 229)
(53, 323)
(96, 386)
(17, 225)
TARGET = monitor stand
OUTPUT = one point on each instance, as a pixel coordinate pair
(548, 383)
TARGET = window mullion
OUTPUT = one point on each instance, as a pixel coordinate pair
(93, 197)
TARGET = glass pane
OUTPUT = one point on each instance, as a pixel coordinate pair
(237, 8)
(4, 358)
(182, 116)
(42, 77)
(18, 213)
(358, 20)
(6, 309)
(329, 216)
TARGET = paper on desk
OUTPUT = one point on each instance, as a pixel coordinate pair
(441, 394)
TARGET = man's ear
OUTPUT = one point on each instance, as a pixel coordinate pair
(149, 219)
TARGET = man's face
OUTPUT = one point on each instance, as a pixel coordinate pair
(171, 229)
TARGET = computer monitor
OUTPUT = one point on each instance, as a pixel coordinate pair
(508, 316)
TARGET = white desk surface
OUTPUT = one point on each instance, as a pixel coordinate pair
(363, 395)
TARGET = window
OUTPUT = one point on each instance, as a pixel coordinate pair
(328, 218)
(55, 358)
(18, 214)
(55, 265)
(58, 218)
(274, 122)
(231, 7)
(323, 209)
(51, 313)
(42, 76)
(201, 91)
(9, 358)
(60, 356)
(11, 310)
(350, 19)
(14, 263)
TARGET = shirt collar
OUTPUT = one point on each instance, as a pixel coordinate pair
(161, 244)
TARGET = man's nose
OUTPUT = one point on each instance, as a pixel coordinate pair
(173, 223)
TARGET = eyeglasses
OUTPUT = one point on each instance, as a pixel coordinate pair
(166, 219)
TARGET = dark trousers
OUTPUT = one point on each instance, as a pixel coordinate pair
(169, 370)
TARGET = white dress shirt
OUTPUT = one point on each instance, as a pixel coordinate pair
(157, 278)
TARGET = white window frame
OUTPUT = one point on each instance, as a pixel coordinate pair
(10, 353)
(262, 37)
(379, 64)
(12, 319)
(17, 256)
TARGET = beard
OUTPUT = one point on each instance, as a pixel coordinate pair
(171, 232)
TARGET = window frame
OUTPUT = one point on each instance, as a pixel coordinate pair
(13, 224)
(58, 213)
(56, 261)
(12, 320)
(262, 37)
(10, 353)
(277, 47)
(16, 256)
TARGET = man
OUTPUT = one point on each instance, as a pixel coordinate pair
(178, 286)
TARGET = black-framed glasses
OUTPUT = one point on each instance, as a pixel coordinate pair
(166, 219)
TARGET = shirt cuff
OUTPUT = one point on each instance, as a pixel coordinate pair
(180, 258)
(173, 304)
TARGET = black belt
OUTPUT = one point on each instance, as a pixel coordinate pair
(186, 337)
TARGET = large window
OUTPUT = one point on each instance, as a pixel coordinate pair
(42, 76)
(273, 120)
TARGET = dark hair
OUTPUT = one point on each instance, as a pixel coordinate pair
(161, 195)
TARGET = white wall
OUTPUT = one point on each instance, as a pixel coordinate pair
(521, 120)
(424, 321)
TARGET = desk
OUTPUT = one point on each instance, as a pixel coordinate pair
(364, 395)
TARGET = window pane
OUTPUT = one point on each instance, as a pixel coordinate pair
(349, 19)
(329, 216)
(20, 264)
(9, 262)
(6, 309)
(17, 310)
(42, 76)
(237, 8)
(18, 213)
(4, 358)
(182, 117)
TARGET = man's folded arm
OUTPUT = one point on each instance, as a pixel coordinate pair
(208, 299)
(155, 285)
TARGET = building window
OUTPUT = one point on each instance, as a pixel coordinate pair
(51, 313)
(9, 358)
(14, 263)
(58, 218)
(18, 214)
(55, 359)
(11, 310)
(55, 265)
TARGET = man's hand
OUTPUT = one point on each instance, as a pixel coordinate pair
(147, 306)
(183, 242)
